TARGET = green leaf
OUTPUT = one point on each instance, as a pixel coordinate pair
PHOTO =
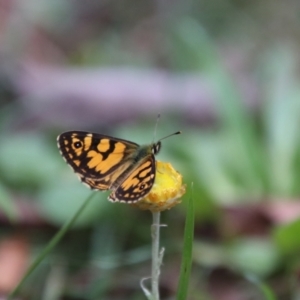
(253, 255)
(28, 161)
(287, 237)
(186, 263)
(281, 118)
(60, 198)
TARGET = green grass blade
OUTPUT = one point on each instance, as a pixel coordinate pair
(186, 262)
(53, 242)
(265, 289)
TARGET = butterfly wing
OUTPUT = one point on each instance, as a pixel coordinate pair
(98, 159)
(137, 184)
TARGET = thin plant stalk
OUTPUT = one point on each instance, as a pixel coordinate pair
(157, 256)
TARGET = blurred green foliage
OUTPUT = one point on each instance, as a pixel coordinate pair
(247, 156)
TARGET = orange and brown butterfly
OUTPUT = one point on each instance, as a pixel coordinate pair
(108, 163)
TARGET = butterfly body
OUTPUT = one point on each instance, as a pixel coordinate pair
(108, 163)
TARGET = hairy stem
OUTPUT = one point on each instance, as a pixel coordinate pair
(156, 256)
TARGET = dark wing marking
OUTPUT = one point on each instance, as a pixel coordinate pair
(97, 159)
(137, 184)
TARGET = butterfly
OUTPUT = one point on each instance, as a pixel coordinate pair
(108, 163)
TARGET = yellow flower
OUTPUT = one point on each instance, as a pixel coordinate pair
(166, 191)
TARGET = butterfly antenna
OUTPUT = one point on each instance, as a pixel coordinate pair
(155, 128)
(178, 132)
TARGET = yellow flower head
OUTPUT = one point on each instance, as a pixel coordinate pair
(166, 191)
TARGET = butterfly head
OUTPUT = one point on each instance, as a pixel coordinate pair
(156, 147)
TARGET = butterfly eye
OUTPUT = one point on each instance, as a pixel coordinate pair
(156, 147)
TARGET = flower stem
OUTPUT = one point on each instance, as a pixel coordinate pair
(156, 256)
